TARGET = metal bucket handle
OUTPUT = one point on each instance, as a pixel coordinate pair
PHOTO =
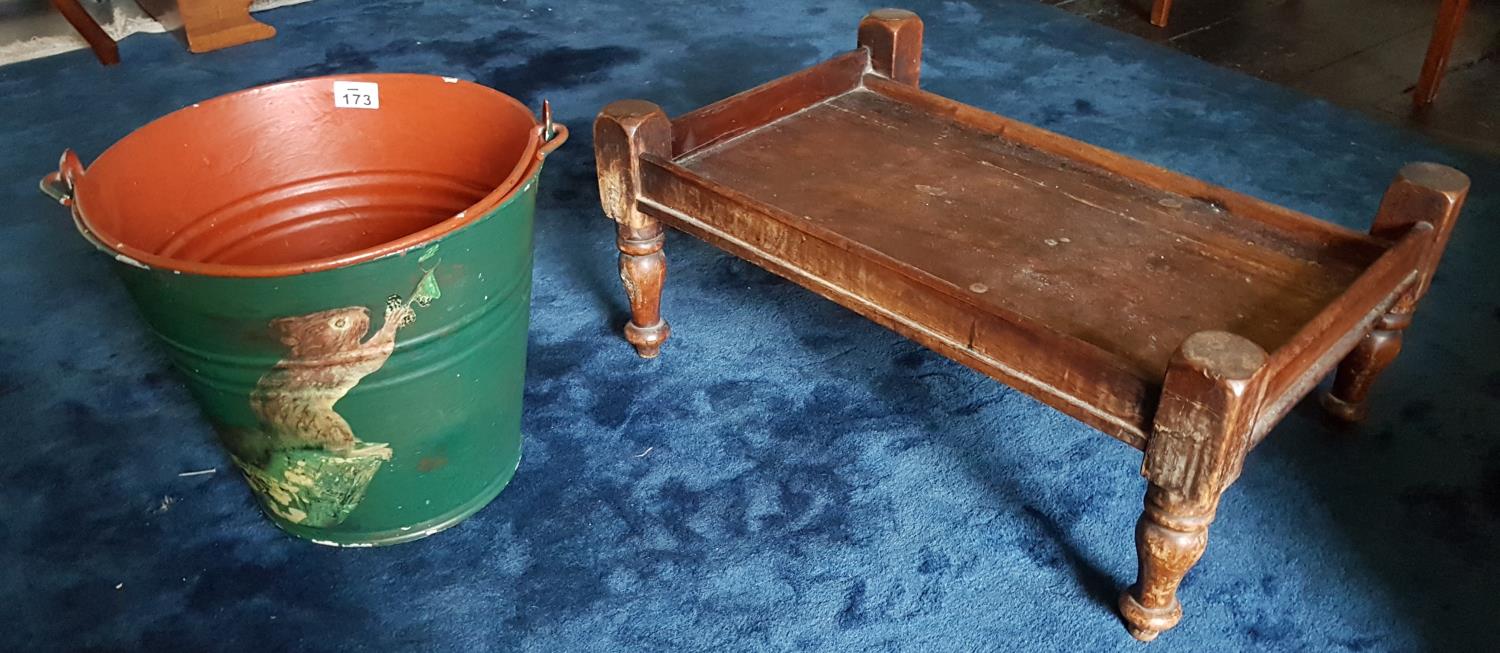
(553, 134)
(60, 186)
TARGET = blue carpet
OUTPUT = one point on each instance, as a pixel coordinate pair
(787, 476)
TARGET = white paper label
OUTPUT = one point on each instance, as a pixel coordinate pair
(356, 95)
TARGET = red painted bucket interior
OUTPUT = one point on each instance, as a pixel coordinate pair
(278, 175)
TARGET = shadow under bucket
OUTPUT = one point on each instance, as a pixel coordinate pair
(341, 269)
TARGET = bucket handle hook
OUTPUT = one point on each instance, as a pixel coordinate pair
(553, 134)
(59, 185)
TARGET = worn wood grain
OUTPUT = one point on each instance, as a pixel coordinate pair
(893, 38)
(1308, 356)
(1177, 316)
(1212, 392)
(624, 132)
(1049, 238)
(1092, 386)
(767, 103)
(1421, 205)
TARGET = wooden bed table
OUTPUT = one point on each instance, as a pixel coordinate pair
(1179, 317)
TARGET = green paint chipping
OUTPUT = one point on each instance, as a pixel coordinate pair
(427, 290)
(312, 487)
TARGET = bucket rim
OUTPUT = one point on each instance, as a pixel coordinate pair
(544, 137)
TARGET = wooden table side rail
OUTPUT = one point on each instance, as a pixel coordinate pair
(1296, 385)
(767, 103)
(1007, 347)
(1299, 365)
(1221, 393)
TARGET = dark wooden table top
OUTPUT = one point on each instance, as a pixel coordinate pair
(1091, 254)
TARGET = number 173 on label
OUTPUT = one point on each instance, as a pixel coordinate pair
(356, 95)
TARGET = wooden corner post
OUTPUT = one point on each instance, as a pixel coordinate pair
(894, 39)
(1423, 196)
(1212, 393)
(623, 132)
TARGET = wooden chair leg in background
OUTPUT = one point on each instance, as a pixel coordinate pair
(1160, 9)
(103, 46)
(1450, 18)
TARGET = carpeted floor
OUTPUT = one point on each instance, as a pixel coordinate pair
(787, 476)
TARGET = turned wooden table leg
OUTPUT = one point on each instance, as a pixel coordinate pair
(623, 132)
(1357, 372)
(1212, 393)
(1160, 11)
(894, 39)
(643, 270)
(1422, 194)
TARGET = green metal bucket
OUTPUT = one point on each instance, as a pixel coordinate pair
(341, 269)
